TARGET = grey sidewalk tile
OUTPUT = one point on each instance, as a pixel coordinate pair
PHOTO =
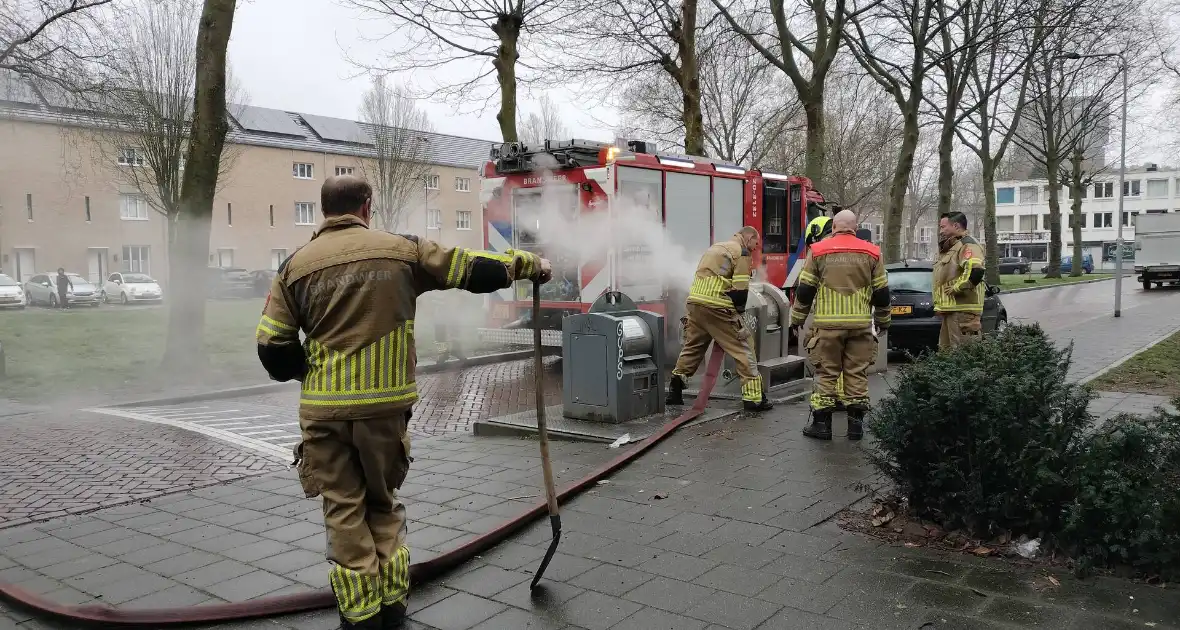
(283, 562)
(487, 581)
(668, 594)
(183, 563)
(612, 579)
(459, 612)
(176, 595)
(565, 567)
(596, 611)
(53, 556)
(517, 619)
(1024, 614)
(733, 611)
(512, 555)
(732, 579)
(248, 586)
(795, 619)
(678, 566)
(222, 544)
(215, 573)
(655, 619)
(264, 523)
(944, 597)
(743, 555)
(809, 596)
(155, 553)
(30, 580)
(551, 595)
(292, 532)
(77, 566)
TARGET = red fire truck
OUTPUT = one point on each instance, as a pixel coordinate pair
(533, 199)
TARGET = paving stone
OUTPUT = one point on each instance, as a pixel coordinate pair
(733, 611)
(732, 579)
(794, 619)
(654, 619)
(78, 566)
(176, 595)
(517, 619)
(1023, 614)
(293, 531)
(155, 553)
(248, 586)
(284, 562)
(53, 556)
(458, 612)
(512, 555)
(611, 579)
(215, 573)
(596, 611)
(184, 563)
(100, 581)
(487, 580)
(943, 597)
(668, 594)
(677, 565)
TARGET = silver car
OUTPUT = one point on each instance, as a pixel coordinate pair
(42, 289)
(11, 293)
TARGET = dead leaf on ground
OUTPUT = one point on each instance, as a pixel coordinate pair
(982, 551)
(883, 518)
(1053, 581)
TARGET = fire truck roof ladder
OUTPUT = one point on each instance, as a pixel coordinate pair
(517, 157)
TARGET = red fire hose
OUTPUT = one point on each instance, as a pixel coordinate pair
(110, 617)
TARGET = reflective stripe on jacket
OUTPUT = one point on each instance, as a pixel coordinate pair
(724, 269)
(844, 284)
(958, 278)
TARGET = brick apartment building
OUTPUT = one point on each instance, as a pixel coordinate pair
(62, 205)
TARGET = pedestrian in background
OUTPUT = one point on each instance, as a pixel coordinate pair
(64, 286)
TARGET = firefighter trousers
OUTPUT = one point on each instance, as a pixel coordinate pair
(835, 353)
(358, 466)
(959, 328)
(723, 326)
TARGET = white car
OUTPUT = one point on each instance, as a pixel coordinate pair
(42, 289)
(11, 293)
(130, 287)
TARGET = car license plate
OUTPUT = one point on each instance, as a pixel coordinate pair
(903, 310)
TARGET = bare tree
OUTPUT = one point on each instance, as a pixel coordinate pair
(630, 41)
(544, 124)
(922, 191)
(495, 36)
(401, 150)
(210, 124)
(891, 39)
(53, 41)
(142, 126)
(804, 55)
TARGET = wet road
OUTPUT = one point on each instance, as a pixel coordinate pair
(1072, 305)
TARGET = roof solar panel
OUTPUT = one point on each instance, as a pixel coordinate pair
(337, 129)
(268, 121)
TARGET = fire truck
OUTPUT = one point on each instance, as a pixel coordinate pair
(583, 204)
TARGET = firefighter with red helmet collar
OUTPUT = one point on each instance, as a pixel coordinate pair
(716, 300)
(353, 293)
(844, 282)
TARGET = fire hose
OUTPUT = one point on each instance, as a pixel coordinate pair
(421, 572)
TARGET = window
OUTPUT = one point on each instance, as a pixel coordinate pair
(434, 219)
(343, 170)
(1103, 219)
(1081, 220)
(878, 228)
(1028, 194)
(302, 170)
(229, 214)
(432, 182)
(463, 220)
(1005, 195)
(88, 209)
(135, 259)
(277, 256)
(225, 257)
(1131, 188)
(1005, 224)
(132, 208)
(1157, 212)
(1129, 218)
(463, 184)
(1045, 222)
(926, 233)
(304, 213)
(1157, 188)
(29, 206)
(272, 215)
(130, 156)
(1028, 223)
(1103, 190)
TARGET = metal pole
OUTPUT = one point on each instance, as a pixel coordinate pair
(1118, 261)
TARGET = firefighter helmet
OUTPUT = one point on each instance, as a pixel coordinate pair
(819, 228)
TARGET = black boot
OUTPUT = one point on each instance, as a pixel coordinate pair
(856, 419)
(376, 622)
(393, 617)
(761, 405)
(675, 391)
(821, 425)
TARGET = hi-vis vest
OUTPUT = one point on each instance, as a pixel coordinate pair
(958, 278)
(723, 268)
(353, 292)
(843, 283)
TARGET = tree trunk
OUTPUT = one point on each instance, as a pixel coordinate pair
(189, 260)
(1075, 189)
(813, 110)
(508, 30)
(1052, 168)
(899, 184)
(946, 163)
(991, 260)
(690, 80)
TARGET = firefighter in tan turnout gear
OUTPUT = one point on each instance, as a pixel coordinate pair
(958, 282)
(716, 300)
(352, 292)
(844, 283)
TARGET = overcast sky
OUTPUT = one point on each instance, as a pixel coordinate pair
(287, 54)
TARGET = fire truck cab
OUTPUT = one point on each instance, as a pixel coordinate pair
(626, 219)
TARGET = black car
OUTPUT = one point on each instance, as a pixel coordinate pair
(1013, 264)
(915, 326)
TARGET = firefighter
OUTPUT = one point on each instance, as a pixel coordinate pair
(843, 281)
(958, 282)
(819, 229)
(716, 301)
(352, 292)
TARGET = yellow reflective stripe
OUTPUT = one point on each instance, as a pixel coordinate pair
(880, 280)
(276, 323)
(358, 596)
(458, 270)
(959, 308)
(806, 277)
(378, 373)
(395, 577)
(741, 278)
(710, 291)
(752, 389)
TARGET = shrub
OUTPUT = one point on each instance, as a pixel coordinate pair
(1127, 507)
(981, 437)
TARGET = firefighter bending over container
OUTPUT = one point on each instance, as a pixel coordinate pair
(843, 281)
(716, 301)
(958, 282)
(352, 292)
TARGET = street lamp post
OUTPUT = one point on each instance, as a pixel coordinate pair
(1118, 241)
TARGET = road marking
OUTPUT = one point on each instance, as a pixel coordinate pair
(222, 425)
(287, 425)
(239, 418)
(262, 432)
(260, 446)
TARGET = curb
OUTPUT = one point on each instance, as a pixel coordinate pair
(269, 388)
(1055, 286)
(1130, 355)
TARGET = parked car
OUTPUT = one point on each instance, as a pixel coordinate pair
(262, 279)
(11, 293)
(915, 327)
(1014, 264)
(1067, 264)
(126, 288)
(230, 282)
(42, 289)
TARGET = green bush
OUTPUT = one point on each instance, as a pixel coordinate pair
(982, 437)
(1126, 511)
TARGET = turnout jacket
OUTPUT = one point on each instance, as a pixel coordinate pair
(844, 282)
(722, 278)
(958, 276)
(353, 292)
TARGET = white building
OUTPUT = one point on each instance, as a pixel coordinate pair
(1022, 213)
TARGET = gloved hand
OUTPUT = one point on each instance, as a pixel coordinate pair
(546, 271)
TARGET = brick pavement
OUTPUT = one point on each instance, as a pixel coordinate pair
(742, 539)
